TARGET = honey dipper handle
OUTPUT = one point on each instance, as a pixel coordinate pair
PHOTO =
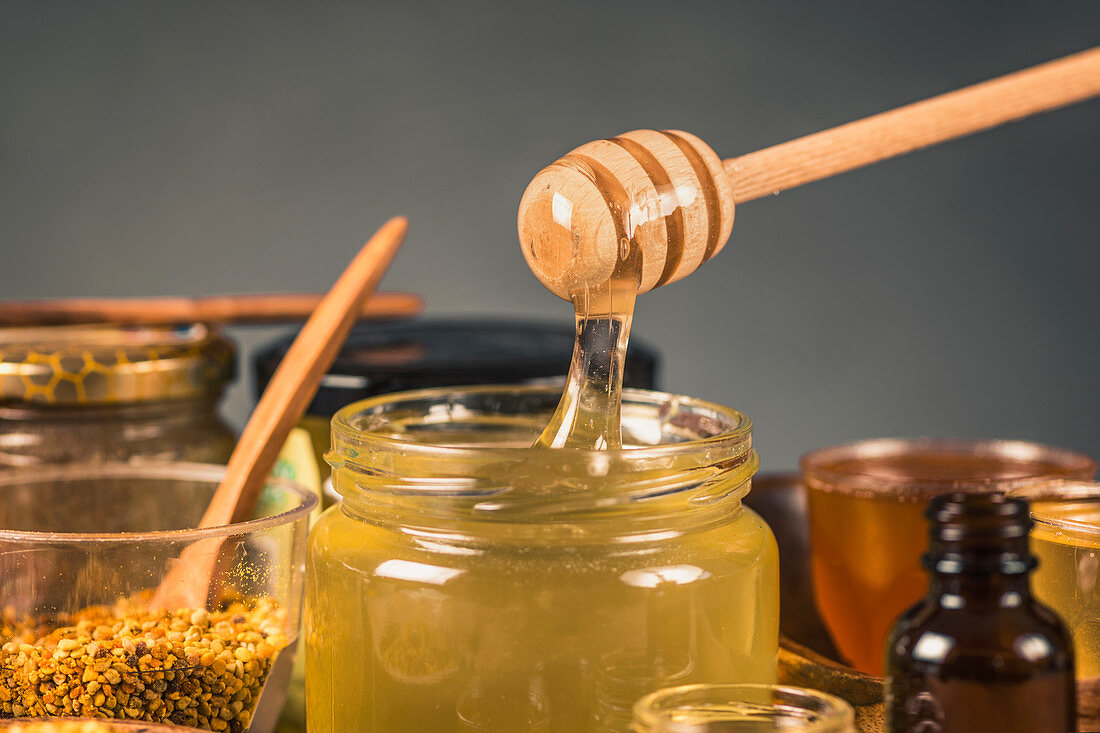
(1011, 97)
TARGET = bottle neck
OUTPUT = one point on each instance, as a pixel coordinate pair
(970, 590)
(978, 552)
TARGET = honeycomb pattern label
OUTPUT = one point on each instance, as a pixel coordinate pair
(104, 365)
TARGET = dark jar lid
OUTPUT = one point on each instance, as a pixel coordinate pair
(381, 358)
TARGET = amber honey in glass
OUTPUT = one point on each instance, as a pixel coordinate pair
(867, 531)
(1066, 540)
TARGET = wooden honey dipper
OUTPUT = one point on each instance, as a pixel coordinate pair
(670, 195)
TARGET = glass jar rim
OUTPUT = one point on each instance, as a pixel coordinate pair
(816, 465)
(345, 431)
(201, 472)
(837, 714)
(1061, 491)
(694, 454)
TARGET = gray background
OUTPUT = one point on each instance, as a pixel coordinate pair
(215, 147)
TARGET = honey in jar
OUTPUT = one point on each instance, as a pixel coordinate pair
(469, 581)
(1066, 541)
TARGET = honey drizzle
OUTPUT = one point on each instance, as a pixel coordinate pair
(589, 414)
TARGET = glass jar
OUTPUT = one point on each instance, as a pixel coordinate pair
(741, 709)
(468, 582)
(80, 394)
(1066, 541)
(866, 505)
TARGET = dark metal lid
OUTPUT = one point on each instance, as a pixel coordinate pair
(420, 354)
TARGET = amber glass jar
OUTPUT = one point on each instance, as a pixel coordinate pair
(469, 582)
(108, 393)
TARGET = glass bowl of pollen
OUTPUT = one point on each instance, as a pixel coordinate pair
(468, 581)
(83, 548)
(85, 725)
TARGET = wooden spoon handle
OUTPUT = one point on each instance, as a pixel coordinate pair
(266, 308)
(296, 380)
(955, 114)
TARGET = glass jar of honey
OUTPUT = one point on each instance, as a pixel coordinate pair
(470, 582)
(84, 394)
(1066, 541)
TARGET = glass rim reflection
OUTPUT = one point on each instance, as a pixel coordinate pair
(820, 474)
(826, 713)
(737, 427)
(1058, 491)
(166, 471)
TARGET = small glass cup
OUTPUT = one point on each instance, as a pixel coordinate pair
(82, 547)
(866, 504)
(741, 709)
(1066, 541)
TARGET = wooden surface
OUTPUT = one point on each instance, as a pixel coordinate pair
(280, 408)
(673, 202)
(265, 308)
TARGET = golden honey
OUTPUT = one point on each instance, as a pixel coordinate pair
(469, 582)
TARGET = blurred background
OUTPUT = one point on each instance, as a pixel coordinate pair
(209, 147)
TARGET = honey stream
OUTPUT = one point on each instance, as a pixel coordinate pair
(589, 413)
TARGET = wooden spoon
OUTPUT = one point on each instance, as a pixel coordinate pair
(262, 308)
(669, 194)
(187, 583)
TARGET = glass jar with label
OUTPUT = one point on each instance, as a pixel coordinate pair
(470, 582)
(84, 394)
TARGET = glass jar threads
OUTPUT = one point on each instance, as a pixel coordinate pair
(79, 394)
(470, 582)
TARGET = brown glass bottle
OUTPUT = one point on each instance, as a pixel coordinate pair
(978, 653)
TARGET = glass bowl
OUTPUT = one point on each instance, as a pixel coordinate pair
(84, 725)
(81, 549)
